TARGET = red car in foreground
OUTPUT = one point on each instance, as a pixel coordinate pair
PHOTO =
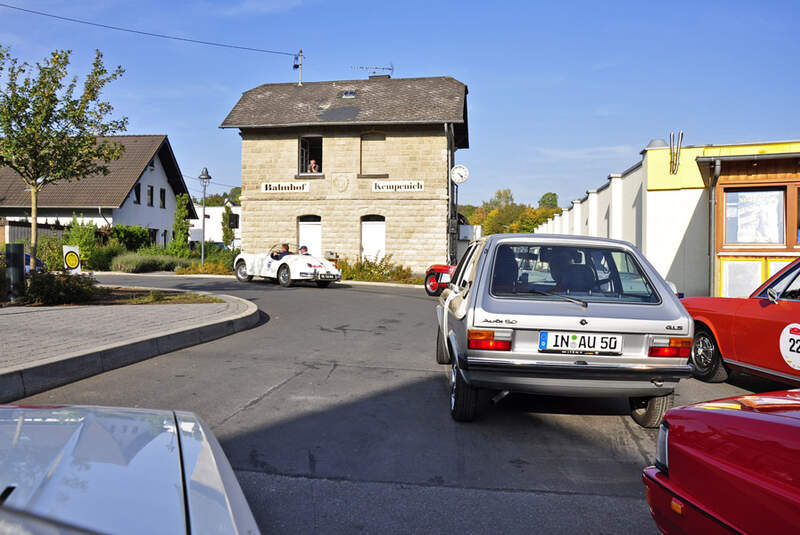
(728, 466)
(434, 285)
(759, 334)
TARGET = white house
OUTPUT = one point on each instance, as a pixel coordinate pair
(140, 189)
(214, 224)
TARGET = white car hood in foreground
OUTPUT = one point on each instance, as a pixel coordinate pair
(119, 470)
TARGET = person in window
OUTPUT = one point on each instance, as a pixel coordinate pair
(277, 255)
(313, 167)
(303, 249)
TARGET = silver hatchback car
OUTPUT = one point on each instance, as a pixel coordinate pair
(565, 316)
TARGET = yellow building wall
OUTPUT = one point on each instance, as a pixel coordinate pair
(689, 174)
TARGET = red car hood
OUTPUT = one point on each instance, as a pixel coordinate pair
(785, 403)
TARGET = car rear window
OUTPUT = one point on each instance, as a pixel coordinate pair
(594, 274)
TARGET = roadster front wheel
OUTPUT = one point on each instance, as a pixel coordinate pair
(284, 276)
(241, 272)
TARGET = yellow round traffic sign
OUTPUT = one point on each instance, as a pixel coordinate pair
(72, 260)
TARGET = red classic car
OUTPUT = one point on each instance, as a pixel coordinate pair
(759, 334)
(433, 278)
(728, 466)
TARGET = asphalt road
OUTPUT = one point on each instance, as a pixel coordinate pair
(335, 418)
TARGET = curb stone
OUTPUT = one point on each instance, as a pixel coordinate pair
(170, 274)
(26, 381)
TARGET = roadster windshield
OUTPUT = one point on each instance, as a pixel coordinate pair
(591, 274)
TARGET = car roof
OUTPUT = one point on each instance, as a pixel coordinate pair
(556, 239)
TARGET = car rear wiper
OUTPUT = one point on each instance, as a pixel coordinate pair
(584, 304)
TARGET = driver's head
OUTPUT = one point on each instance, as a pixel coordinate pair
(284, 247)
(559, 260)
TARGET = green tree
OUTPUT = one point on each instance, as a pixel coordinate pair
(548, 200)
(215, 199)
(234, 194)
(227, 231)
(179, 246)
(48, 133)
(467, 210)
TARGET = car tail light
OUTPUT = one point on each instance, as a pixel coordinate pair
(489, 340)
(671, 347)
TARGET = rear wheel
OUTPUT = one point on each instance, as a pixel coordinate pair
(648, 412)
(284, 276)
(323, 284)
(442, 355)
(432, 286)
(241, 272)
(463, 397)
(706, 358)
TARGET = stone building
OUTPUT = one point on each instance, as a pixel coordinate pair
(382, 148)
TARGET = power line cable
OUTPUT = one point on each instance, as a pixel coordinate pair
(214, 182)
(151, 34)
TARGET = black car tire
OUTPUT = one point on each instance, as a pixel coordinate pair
(706, 358)
(241, 272)
(432, 277)
(442, 355)
(463, 397)
(323, 284)
(648, 412)
(284, 276)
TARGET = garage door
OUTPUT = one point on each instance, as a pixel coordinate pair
(310, 234)
(373, 239)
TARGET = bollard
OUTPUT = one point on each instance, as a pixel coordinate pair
(15, 270)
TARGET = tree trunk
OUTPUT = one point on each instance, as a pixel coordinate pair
(34, 226)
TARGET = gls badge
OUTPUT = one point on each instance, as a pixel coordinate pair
(674, 327)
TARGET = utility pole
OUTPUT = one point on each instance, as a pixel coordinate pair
(205, 178)
(298, 64)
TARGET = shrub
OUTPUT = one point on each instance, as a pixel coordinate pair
(2, 277)
(138, 263)
(49, 251)
(216, 254)
(101, 260)
(153, 250)
(132, 237)
(179, 246)
(84, 236)
(60, 288)
(210, 268)
(374, 270)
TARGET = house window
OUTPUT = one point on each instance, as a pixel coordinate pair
(233, 221)
(373, 155)
(163, 199)
(153, 235)
(137, 194)
(149, 195)
(754, 216)
(310, 157)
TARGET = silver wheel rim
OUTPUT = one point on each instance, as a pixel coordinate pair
(284, 275)
(242, 271)
(453, 373)
(703, 352)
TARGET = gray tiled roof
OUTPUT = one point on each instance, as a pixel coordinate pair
(439, 99)
(104, 191)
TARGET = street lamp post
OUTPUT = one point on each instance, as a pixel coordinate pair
(205, 178)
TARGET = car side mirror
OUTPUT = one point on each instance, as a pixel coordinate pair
(772, 295)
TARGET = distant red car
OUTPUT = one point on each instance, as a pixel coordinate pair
(728, 466)
(759, 334)
(433, 278)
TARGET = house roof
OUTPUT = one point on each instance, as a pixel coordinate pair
(108, 191)
(380, 100)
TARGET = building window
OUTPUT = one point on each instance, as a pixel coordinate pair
(137, 194)
(153, 235)
(149, 195)
(373, 155)
(754, 216)
(310, 157)
(163, 198)
(233, 221)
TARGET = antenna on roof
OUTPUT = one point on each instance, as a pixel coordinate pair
(375, 70)
(298, 64)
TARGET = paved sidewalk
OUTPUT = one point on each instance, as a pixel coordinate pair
(44, 347)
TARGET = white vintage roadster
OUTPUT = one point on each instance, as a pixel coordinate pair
(286, 270)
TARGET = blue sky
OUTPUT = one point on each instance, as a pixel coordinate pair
(560, 93)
